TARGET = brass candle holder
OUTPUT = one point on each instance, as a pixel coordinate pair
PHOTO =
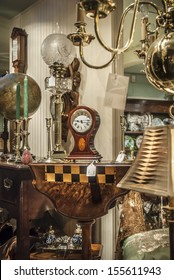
(122, 124)
(49, 153)
(122, 154)
(25, 134)
(56, 104)
(17, 135)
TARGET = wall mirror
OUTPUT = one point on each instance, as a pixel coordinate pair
(139, 87)
(7, 12)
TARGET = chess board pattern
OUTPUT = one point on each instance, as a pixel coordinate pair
(77, 174)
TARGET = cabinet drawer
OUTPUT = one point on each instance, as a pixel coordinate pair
(9, 186)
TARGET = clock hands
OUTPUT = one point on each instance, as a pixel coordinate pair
(82, 124)
(82, 121)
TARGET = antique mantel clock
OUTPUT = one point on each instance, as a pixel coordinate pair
(19, 50)
(83, 123)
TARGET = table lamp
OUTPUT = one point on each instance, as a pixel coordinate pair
(152, 171)
(58, 53)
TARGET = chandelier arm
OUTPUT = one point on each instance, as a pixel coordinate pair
(170, 111)
(125, 12)
(97, 32)
(154, 5)
(164, 5)
(94, 66)
(121, 25)
(128, 43)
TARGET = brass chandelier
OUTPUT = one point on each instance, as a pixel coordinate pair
(157, 50)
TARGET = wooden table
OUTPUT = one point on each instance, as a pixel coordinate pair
(78, 196)
(60, 186)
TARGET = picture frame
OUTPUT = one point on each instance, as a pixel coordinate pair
(19, 50)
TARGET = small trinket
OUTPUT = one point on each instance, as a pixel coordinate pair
(26, 157)
(77, 237)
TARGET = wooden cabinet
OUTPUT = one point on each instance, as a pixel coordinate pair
(22, 202)
(138, 114)
(14, 186)
(4, 135)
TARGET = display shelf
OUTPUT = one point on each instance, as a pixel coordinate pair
(134, 132)
(138, 114)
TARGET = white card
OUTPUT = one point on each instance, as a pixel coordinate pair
(120, 157)
(91, 170)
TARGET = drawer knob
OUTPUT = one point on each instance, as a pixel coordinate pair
(8, 183)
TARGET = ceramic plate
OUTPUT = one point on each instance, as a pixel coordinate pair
(133, 127)
(168, 121)
(139, 140)
(132, 118)
(129, 142)
(157, 122)
(145, 120)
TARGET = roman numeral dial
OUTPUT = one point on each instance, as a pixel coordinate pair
(81, 121)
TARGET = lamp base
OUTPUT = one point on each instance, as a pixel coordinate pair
(58, 154)
(49, 160)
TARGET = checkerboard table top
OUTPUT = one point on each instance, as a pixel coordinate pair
(77, 174)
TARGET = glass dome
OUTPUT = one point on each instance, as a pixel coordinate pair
(57, 48)
(8, 95)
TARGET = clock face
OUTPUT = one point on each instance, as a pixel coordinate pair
(81, 120)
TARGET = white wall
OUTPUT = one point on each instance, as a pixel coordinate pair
(4, 31)
(39, 21)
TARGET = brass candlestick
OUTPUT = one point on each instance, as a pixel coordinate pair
(17, 134)
(48, 125)
(122, 154)
(25, 134)
(122, 124)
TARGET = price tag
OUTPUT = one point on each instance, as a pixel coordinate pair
(51, 81)
(121, 157)
(91, 170)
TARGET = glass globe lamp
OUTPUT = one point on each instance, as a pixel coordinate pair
(58, 52)
(8, 85)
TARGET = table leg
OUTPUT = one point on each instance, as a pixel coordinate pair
(23, 227)
(86, 238)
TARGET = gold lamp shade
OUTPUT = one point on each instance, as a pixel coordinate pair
(8, 95)
(153, 169)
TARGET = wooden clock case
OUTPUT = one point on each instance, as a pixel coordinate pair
(84, 148)
(19, 50)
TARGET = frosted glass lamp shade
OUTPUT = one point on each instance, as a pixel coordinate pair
(57, 48)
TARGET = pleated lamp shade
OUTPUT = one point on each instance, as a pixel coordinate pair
(153, 169)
